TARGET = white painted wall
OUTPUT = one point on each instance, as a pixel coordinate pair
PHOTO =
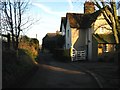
(82, 39)
(119, 11)
(63, 29)
(68, 35)
(90, 32)
(74, 35)
(63, 32)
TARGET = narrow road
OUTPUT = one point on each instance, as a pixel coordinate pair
(56, 74)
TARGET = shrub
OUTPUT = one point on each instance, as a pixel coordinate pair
(30, 45)
(14, 68)
(62, 55)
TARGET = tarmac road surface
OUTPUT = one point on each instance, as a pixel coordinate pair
(56, 74)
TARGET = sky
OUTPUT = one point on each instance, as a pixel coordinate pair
(49, 13)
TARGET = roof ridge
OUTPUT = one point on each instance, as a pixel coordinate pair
(73, 13)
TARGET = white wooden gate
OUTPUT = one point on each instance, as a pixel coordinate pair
(78, 55)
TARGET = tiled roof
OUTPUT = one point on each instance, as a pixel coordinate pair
(74, 19)
(104, 38)
(63, 20)
(51, 34)
(88, 19)
(78, 20)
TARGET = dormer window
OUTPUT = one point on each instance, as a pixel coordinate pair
(104, 30)
(101, 30)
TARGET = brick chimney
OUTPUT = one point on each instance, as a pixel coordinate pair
(89, 7)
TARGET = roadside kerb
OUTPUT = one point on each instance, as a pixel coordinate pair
(95, 77)
(91, 74)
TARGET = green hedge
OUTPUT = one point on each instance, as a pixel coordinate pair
(62, 54)
(16, 68)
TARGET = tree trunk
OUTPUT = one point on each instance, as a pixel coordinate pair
(114, 30)
(116, 21)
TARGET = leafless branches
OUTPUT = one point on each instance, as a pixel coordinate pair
(108, 8)
(12, 18)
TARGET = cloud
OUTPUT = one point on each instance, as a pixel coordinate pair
(48, 9)
(70, 4)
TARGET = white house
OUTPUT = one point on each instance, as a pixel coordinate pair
(84, 33)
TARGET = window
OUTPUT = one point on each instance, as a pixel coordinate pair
(67, 45)
(68, 33)
(100, 51)
(105, 47)
(101, 30)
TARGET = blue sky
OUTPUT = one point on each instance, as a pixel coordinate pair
(49, 13)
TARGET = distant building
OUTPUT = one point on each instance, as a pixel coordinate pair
(52, 41)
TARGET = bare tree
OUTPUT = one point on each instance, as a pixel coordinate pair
(108, 8)
(13, 15)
